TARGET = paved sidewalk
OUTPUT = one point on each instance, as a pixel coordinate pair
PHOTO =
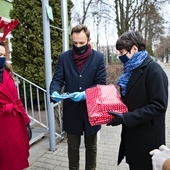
(41, 158)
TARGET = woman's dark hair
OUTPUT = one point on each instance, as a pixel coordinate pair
(2, 43)
(130, 38)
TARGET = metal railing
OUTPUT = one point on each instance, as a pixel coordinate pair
(35, 103)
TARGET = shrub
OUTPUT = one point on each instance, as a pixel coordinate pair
(113, 73)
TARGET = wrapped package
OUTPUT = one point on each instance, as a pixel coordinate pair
(99, 100)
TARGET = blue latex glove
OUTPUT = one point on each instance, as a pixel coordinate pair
(56, 96)
(78, 96)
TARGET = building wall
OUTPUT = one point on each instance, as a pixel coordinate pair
(5, 7)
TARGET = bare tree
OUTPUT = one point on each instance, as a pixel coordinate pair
(96, 13)
(124, 15)
(135, 14)
(141, 15)
(80, 10)
(162, 49)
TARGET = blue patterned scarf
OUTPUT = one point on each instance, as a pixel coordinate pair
(128, 68)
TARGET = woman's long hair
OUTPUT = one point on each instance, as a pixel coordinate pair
(7, 66)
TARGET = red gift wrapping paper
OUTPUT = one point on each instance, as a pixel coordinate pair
(99, 100)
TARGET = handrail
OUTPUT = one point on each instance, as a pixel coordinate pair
(29, 82)
(34, 100)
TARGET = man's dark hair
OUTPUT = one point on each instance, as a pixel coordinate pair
(130, 38)
(79, 28)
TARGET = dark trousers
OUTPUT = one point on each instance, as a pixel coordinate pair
(73, 151)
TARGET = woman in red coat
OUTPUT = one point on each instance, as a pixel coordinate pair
(14, 122)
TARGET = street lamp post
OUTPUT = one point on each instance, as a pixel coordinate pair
(64, 15)
(48, 73)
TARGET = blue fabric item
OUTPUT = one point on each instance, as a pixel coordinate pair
(57, 97)
(128, 67)
(78, 96)
(2, 61)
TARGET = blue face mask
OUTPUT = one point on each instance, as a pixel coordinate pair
(124, 58)
(2, 61)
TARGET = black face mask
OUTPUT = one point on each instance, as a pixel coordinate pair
(80, 50)
(123, 58)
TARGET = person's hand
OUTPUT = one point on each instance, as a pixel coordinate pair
(29, 131)
(56, 96)
(78, 96)
(159, 156)
(117, 120)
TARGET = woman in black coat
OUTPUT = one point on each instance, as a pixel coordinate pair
(144, 90)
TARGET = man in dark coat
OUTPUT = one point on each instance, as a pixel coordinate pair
(144, 90)
(78, 69)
